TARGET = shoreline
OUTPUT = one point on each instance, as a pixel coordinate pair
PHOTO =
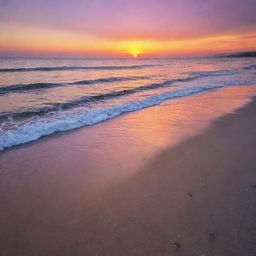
(198, 193)
(202, 197)
(13, 138)
(72, 131)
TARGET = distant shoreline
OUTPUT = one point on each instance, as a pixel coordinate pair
(240, 55)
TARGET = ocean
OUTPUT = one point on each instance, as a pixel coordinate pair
(43, 96)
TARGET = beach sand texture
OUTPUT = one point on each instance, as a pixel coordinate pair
(198, 198)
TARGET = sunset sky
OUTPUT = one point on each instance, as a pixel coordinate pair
(124, 28)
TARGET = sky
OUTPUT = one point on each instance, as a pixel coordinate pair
(126, 28)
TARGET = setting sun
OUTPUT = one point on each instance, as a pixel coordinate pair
(134, 52)
(127, 127)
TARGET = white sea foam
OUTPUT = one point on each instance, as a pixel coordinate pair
(33, 130)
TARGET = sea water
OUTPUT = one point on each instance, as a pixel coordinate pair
(42, 96)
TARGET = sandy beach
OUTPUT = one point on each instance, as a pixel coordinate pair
(127, 128)
(199, 195)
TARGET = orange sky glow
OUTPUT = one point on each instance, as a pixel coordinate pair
(142, 37)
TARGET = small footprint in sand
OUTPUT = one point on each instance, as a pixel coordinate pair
(190, 194)
(175, 244)
(211, 236)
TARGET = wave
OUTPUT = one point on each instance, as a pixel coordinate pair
(250, 67)
(48, 69)
(36, 86)
(214, 73)
(34, 130)
(88, 99)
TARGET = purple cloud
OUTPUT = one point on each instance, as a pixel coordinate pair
(134, 19)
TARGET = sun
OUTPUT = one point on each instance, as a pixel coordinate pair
(134, 52)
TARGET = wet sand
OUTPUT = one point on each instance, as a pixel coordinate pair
(198, 196)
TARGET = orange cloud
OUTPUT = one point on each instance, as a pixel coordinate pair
(16, 38)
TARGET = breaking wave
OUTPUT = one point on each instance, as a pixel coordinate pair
(88, 99)
(33, 130)
(36, 86)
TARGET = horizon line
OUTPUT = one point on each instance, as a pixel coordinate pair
(138, 58)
